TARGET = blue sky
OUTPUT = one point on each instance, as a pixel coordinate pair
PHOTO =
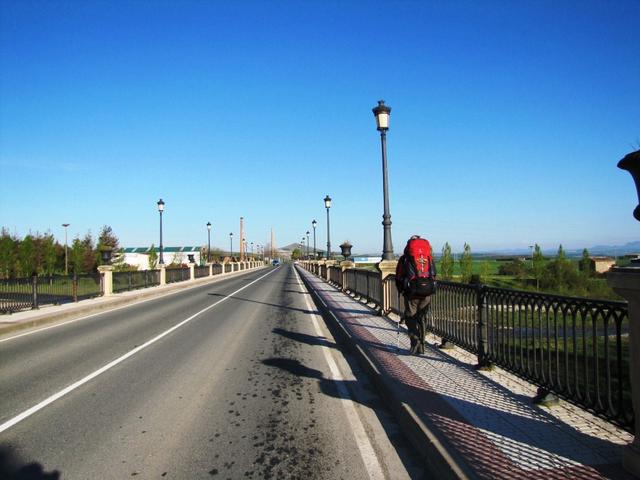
(508, 119)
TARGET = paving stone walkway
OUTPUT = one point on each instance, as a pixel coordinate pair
(485, 420)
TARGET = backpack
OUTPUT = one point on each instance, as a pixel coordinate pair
(419, 268)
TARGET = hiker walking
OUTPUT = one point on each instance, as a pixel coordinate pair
(416, 280)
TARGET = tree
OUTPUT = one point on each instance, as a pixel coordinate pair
(49, 255)
(538, 265)
(296, 254)
(485, 268)
(514, 268)
(27, 257)
(7, 254)
(89, 255)
(76, 256)
(585, 264)
(108, 239)
(153, 257)
(446, 262)
(561, 276)
(466, 264)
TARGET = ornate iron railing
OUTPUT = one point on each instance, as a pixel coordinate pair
(365, 284)
(335, 276)
(200, 272)
(177, 275)
(217, 268)
(573, 347)
(123, 281)
(26, 293)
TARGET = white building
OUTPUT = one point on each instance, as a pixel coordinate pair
(139, 256)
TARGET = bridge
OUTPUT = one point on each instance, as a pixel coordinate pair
(255, 371)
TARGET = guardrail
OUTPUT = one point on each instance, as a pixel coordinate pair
(575, 348)
(31, 293)
(124, 281)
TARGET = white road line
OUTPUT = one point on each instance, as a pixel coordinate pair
(107, 310)
(368, 454)
(27, 413)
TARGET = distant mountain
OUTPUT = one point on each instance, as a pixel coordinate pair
(615, 250)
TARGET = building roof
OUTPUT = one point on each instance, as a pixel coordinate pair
(164, 249)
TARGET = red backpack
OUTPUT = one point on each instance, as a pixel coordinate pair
(419, 268)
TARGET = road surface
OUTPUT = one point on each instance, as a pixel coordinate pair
(234, 379)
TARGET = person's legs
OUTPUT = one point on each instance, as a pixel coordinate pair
(422, 308)
(410, 314)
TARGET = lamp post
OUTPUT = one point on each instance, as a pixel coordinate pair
(307, 244)
(161, 209)
(252, 250)
(66, 258)
(531, 247)
(381, 112)
(327, 205)
(208, 242)
(315, 253)
(231, 245)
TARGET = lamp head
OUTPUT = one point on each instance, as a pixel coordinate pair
(382, 113)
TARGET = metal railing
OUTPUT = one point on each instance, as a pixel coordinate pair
(227, 267)
(365, 284)
(216, 268)
(30, 293)
(199, 272)
(573, 347)
(177, 275)
(335, 276)
(124, 281)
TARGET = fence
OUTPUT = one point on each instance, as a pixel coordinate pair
(200, 272)
(24, 293)
(177, 275)
(573, 347)
(124, 281)
(364, 283)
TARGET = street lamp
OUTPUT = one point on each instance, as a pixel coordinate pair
(381, 112)
(313, 224)
(161, 209)
(208, 242)
(307, 244)
(66, 258)
(252, 250)
(327, 205)
(531, 247)
(231, 245)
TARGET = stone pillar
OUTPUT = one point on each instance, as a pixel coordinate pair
(163, 275)
(211, 269)
(107, 279)
(344, 266)
(625, 281)
(329, 263)
(192, 271)
(386, 268)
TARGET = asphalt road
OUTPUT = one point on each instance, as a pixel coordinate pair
(234, 379)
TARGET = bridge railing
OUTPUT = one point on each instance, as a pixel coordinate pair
(123, 281)
(200, 272)
(33, 292)
(575, 348)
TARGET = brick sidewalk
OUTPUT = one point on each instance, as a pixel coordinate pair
(483, 424)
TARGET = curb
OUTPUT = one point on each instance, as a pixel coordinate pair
(77, 310)
(441, 462)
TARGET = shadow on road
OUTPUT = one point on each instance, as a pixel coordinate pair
(284, 307)
(304, 338)
(11, 468)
